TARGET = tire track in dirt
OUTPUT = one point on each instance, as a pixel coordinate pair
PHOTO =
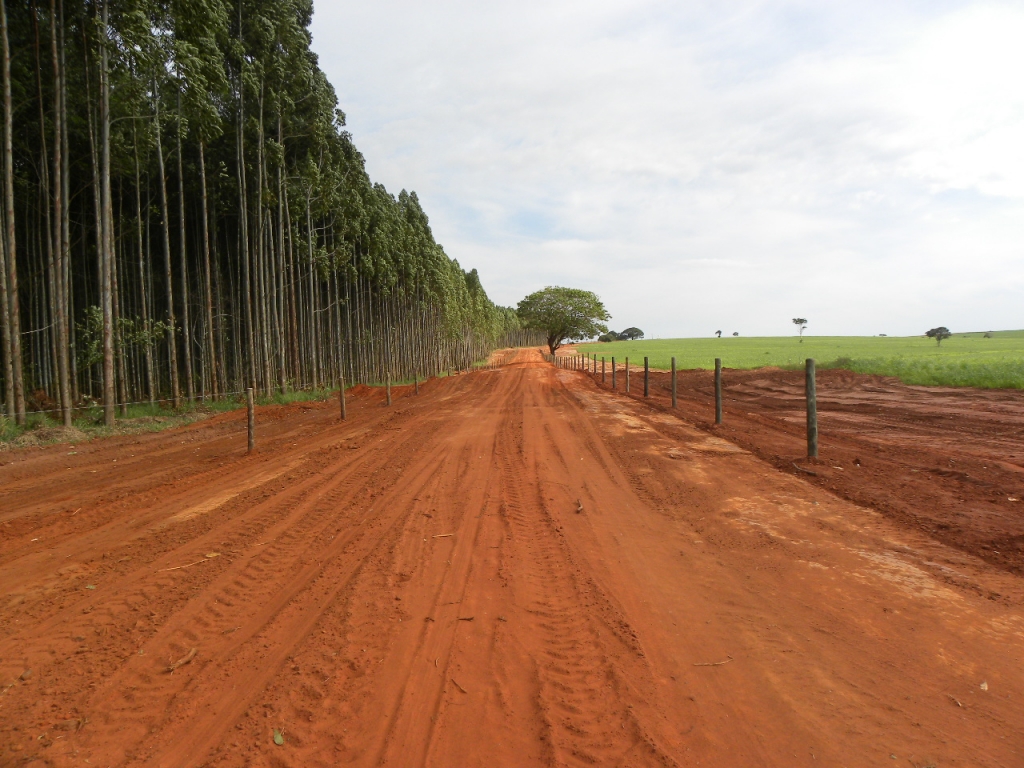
(107, 524)
(577, 670)
(145, 585)
(273, 635)
(369, 618)
(152, 531)
(266, 601)
(129, 519)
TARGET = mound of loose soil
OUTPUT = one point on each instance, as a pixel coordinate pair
(46, 435)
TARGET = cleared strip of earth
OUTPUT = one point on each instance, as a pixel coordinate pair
(514, 568)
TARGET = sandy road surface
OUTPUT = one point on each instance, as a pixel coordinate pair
(514, 568)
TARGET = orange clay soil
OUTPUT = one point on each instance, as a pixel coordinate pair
(946, 461)
(515, 568)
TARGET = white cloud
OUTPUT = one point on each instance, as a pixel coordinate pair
(704, 165)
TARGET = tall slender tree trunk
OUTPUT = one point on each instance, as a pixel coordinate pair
(97, 196)
(250, 333)
(5, 329)
(59, 184)
(186, 322)
(293, 322)
(221, 370)
(106, 283)
(172, 339)
(122, 377)
(47, 290)
(204, 226)
(313, 340)
(66, 329)
(15, 382)
(279, 261)
(262, 287)
(147, 324)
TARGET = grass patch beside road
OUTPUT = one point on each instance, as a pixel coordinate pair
(965, 360)
(87, 422)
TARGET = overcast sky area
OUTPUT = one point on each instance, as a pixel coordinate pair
(706, 165)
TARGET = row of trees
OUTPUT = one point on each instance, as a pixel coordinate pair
(630, 334)
(185, 215)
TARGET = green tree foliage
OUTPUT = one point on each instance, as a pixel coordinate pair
(208, 223)
(563, 314)
(630, 334)
(801, 324)
(939, 334)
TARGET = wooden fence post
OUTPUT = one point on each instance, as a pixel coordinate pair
(627, 375)
(614, 379)
(647, 377)
(718, 390)
(387, 385)
(251, 407)
(416, 382)
(604, 378)
(341, 397)
(673, 382)
(812, 411)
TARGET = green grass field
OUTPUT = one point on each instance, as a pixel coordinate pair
(965, 360)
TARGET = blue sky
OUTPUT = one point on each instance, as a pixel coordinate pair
(705, 165)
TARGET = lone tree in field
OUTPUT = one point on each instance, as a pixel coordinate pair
(801, 323)
(718, 334)
(563, 314)
(631, 334)
(940, 333)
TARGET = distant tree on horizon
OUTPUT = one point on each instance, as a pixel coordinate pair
(940, 333)
(718, 334)
(563, 314)
(801, 323)
(631, 334)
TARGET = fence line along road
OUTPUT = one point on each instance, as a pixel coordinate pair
(810, 388)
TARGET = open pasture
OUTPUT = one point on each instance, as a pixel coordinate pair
(966, 359)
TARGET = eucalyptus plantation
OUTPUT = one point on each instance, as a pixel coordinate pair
(184, 215)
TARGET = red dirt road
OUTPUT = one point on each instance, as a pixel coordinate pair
(513, 569)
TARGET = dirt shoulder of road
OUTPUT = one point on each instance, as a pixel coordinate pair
(948, 462)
